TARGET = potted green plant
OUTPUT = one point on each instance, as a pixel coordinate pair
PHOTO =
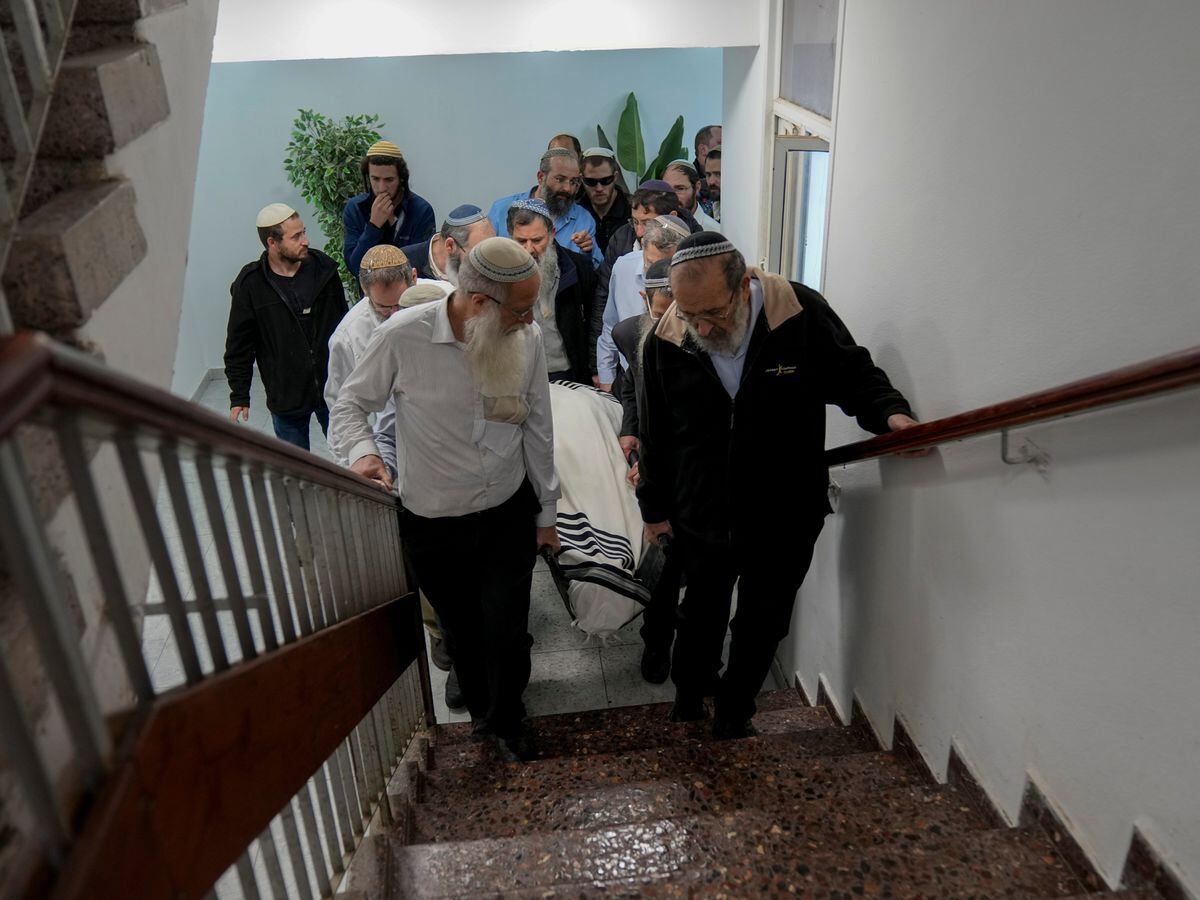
(322, 162)
(631, 149)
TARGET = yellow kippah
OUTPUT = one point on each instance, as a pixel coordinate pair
(382, 256)
(385, 148)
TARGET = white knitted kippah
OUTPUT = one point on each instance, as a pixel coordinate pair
(272, 214)
(701, 245)
(502, 259)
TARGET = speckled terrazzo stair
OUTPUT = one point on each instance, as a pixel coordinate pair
(622, 802)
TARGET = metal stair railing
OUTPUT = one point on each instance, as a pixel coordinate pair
(300, 658)
(42, 31)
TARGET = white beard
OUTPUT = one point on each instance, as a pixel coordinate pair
(725, 343)
(497, 359)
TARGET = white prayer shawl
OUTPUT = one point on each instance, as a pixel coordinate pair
(599, 522)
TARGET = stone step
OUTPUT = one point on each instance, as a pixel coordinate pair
(69, 256)
(773, 769)
(91, 36)
(52, 177)
(649, 727)
(104, 100)
(94, 11)
(702, 856)
(915, 814)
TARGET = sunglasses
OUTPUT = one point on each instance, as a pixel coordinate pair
(596, 182)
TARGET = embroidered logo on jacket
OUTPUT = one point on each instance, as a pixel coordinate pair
(782, 370)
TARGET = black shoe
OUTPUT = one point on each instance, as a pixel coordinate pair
(516, 749)
(656, 664)
(688, 709)
(439, 655)
(480, 731)
(725, 730)
(454, 694)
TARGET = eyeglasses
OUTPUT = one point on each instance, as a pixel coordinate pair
(519, 314)
(693, 318)
(596, 182)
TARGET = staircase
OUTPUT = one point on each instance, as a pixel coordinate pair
(622, 802)
(77, 235)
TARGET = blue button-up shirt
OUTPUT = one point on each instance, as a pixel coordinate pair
(624, 301)
(576, 218)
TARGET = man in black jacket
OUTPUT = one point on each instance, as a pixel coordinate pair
(285, 306)
(737, 376)
(565, 296)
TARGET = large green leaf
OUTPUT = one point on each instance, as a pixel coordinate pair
(631, 152)
(604, 142)
(669, 150)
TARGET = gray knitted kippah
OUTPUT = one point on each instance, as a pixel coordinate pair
(534, 205)
(502, 259)
(700, 245)
(558, 151)
(658, 276)
(681, 164)
(672, 223)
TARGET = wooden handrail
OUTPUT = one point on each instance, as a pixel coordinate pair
(1155, 376)
(36, 372)
(211, 765)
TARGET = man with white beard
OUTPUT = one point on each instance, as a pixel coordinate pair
(475, 467)
(737, 374)
(438, 258)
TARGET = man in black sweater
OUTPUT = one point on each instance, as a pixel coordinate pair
(284, 308)
(737, 376)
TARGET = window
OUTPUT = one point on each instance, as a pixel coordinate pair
(808, 54)
(799, 199)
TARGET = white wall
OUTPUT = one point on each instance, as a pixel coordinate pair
(312, 29)
(472, 129)
(1015, 205)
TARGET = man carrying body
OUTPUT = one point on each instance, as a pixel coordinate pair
(737, 376)
(558, 180)
(283, 309)
(388, 212)
(476, 469)
(658, 618)
(683, 178)
(568, 286)
(660, 237)
(438, 258)
(604, 198)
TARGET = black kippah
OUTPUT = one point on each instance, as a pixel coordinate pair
(700, 245)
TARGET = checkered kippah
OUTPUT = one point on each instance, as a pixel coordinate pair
(534, 205)
(502, 259)
(658, 276)
(700, 245)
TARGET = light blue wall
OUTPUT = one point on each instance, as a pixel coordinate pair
(471, 127)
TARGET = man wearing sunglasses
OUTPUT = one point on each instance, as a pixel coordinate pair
(605, 199)
(737, 377)
(558, 181)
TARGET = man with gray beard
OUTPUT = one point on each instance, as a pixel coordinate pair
(568, 287)
(737, 375)
(475, 467)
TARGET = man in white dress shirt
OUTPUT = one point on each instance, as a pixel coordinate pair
(475, 466)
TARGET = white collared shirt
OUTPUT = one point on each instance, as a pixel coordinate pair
(729, 368)
(625, 300)
(451, 460)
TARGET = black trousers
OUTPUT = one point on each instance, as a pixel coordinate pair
(767, 581)
(477, 571)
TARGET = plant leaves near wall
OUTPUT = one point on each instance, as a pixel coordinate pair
(322, 162)
(631, 152)
(670, 150)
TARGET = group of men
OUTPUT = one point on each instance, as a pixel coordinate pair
(436, 384)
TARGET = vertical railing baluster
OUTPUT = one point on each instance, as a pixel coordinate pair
(270, 546)
(305, 554)
(104, 557)
(374, 562)
(168, 454)
(312, 841)
(37, 790)
(224, 547)
(339, 558)
(344, 805)
(270, 857)
(284, 526)
(387, 741)
(291, 834)
(30, 567)
(246, 879)
(352, 565)
(14, 114)
(310, 504)
(378, 762)
(33, 47)
(164, 568)
(362, 779)
(52, 15)
(358, 559)
(325, 806)
(254, 567)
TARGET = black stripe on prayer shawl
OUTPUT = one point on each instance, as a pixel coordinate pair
(617, 580)
(582, 536)
(576, 386)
